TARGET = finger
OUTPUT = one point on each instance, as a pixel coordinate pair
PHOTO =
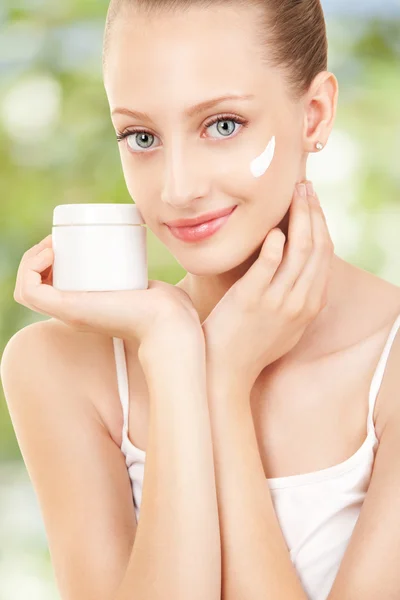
(298, 248)
(47, 276)
(258, 277)
(43, 298)
(319, 287)
(44, 243)
(33, 251)
(310, 286)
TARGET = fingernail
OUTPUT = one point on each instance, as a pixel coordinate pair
(310, 188)
(301, 188)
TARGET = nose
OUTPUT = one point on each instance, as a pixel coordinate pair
(184, 180)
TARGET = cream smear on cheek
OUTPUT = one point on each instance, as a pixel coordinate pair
(259, 165)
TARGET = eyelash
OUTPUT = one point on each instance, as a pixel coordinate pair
(223, 117)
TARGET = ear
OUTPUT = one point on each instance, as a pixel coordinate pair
(320, 110)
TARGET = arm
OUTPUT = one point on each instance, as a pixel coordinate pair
(79, 475)
(255, 560)
(177, 547)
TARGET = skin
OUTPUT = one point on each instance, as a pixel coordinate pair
(192, 170)
(188, 175)
(189, 170)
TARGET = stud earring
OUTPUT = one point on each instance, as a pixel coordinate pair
(319, 146)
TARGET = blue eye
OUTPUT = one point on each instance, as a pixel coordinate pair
(141, 137)
(219, 120)
(144, 138)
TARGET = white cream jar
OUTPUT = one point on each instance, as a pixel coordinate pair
(99, 247)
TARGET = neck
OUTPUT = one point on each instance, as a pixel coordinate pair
(206, 291)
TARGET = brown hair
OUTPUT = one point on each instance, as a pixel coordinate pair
(292, 31)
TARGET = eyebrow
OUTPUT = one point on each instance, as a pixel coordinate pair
(189, 112)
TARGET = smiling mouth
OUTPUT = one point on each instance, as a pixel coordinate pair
(216, 214)
(195, 233)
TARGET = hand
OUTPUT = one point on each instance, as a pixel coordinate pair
(265, 313)
(139, 313)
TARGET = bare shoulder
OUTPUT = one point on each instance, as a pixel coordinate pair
(74, 465)
(76, 358)
(389, 391)
(381, 310)
(374, 302)
(366, 309)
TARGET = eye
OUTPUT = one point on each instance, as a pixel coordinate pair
(225, 130)
(144, 138)
(141, 137)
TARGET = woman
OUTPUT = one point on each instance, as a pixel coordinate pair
(253, 400)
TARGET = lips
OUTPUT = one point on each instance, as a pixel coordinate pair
(202, 231)
(202, 219)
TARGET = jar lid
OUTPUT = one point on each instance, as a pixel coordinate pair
(97, 214)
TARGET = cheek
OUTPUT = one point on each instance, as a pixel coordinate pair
(274, 171)
(260, 164)
(137, 180)
(126, 170)
(257, 169)
(270, 177)
(129, 173)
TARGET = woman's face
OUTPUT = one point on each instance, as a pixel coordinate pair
(183, 166)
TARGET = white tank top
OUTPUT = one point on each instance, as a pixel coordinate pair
(317, 511)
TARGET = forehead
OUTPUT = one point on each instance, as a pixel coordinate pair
(186, 52)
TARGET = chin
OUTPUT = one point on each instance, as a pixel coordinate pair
(217, 259)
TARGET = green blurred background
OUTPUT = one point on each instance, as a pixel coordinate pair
(57, 145)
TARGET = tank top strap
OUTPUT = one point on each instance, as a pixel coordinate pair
(378, 374)
(122, 380)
